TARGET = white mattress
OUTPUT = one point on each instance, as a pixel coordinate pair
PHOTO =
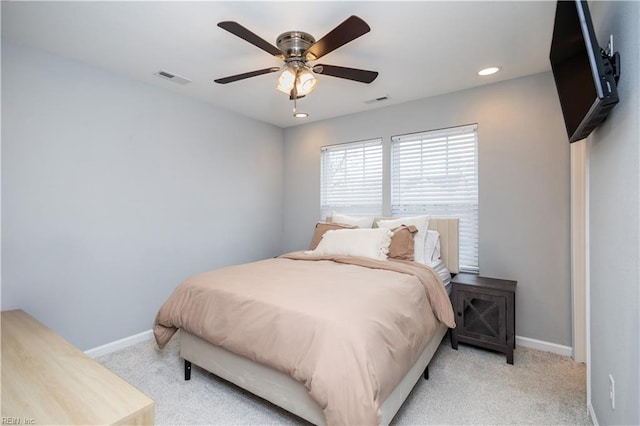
(445, 275)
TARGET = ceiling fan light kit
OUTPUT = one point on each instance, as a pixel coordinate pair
(296, 49)
(302, 78)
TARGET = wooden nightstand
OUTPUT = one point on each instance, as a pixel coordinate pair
(485, 310)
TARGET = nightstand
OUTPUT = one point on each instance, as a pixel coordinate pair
(485, 311)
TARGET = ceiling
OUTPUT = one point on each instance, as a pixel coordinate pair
(420, 49)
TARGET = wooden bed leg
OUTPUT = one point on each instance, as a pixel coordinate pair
(426, 373)
(187, 370)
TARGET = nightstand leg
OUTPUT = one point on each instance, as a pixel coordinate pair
(510, 356)
(454, 340)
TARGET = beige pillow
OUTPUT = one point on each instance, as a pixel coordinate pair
(420, 222)
(372, 243)
(359, 221)
(322, 227)
(402, 242)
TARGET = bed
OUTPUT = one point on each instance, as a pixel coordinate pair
(291, 384)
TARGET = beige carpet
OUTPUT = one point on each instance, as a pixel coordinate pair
(468, 386)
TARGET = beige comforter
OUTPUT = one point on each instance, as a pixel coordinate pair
(348, 328)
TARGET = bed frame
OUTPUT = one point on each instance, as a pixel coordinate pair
(282, 390)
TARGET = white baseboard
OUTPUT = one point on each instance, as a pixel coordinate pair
(592, 414)
(120, 344)
(541, 345)
(527, 342)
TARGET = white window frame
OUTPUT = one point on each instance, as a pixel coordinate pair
(436, 172)
(351, 178)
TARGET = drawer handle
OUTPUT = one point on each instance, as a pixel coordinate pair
(459, 314)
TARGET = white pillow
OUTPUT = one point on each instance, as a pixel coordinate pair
(372, 243)
(420, 222)
(359, 221)
(432, 246)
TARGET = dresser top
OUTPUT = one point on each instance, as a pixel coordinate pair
(46, 380)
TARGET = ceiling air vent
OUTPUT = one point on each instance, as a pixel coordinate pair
(172, 77)
(376, 100)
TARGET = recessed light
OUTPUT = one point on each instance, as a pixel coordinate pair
(300, 114)
(489, 71)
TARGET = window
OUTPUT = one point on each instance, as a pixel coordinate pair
(436, 172)
(351, 178)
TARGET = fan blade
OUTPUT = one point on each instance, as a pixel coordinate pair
(355, 74)
(352, 28)
(240, 31)
(237, 77)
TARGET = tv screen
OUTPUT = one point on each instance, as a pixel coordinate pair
(584, 76)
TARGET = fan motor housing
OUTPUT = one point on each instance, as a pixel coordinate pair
(294, 43)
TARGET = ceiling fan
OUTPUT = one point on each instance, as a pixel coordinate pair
(297, 49)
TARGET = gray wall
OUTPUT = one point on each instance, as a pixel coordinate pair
(114, 191)
(614, 221)
(523, 184)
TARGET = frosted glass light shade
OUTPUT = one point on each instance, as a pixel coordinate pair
(286, 80)
(306, 82)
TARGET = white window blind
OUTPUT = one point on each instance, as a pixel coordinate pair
(436, 173)
(351, 178)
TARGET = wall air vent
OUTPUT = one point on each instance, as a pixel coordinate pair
(172, 77)
(376, 100)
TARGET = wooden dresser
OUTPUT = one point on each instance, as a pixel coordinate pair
(46, 380)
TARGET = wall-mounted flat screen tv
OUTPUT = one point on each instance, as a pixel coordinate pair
(583, 72)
